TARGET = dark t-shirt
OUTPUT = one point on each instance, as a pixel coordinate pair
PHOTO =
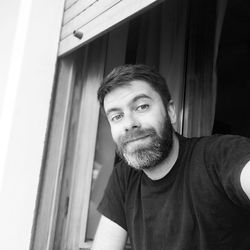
(198, 205)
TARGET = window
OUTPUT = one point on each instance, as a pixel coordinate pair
(79, 153)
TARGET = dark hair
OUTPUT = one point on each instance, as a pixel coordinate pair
(123, 75)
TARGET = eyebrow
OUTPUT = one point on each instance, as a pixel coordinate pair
(141, 96)
(136, 98)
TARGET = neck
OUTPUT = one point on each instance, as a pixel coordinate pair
(164, 167)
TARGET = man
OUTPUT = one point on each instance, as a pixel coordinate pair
(169, 192)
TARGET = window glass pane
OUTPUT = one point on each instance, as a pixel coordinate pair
(103, 165)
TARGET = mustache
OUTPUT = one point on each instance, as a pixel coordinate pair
(136, 134)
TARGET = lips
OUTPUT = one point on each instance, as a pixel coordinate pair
(136, 139)
(132, 136)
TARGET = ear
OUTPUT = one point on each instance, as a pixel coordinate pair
(171, 111)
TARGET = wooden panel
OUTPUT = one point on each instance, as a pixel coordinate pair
(70, 3)
(76, 9)
(86, 16)
(69, 155)
(53, 167)
(119, 12)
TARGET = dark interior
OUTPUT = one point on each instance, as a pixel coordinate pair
(233, 70)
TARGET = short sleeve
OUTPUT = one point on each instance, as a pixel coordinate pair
(226, 157)
(112, 203)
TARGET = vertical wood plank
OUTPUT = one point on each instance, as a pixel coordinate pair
(51, 174)
(71, 139)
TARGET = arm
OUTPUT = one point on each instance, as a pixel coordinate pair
(245, 179)
(109, 236)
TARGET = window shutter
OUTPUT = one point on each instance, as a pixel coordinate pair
(86, 19)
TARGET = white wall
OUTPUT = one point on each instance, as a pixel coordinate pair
(8, 22)
(28, 47)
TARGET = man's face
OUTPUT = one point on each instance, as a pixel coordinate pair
(140, 125)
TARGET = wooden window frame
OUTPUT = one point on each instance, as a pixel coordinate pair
(55, 146)
(54, 157)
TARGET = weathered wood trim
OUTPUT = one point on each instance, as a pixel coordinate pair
(81, 166)
(53, 166)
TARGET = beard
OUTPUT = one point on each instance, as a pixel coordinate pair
(150, 154)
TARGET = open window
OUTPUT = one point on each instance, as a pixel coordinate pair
(177, 37)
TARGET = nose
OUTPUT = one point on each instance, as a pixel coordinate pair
(131, 122)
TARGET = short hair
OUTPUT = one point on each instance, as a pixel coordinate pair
(123, 75)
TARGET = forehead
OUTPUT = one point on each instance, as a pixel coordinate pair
(124, 94)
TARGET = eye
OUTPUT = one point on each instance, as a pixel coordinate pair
(116, 118)
(142, 107)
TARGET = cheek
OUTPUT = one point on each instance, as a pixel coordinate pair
(115, 133)
(158, 122)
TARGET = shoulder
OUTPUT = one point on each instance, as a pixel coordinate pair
(225, 143)
(217, 148)
(224, 152)
(217, 141)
